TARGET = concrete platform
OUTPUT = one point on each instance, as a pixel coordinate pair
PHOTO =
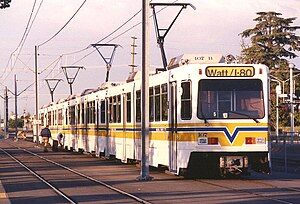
(164, 188)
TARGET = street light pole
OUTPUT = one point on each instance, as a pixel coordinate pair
(291, 66)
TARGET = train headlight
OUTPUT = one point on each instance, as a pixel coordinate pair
(245, 162)
(222, 162)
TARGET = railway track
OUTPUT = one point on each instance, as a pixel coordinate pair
(254, 188)
(30, 166)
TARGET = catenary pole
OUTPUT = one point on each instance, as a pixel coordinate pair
(145, 93)
(36, 96)
(6, 113)
(16, 109)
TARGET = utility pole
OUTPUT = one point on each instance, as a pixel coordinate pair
(133, 53)
(36, 96)
(16, 109)
(5, 112)
(145, 140)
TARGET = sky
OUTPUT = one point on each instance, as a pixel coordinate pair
(213, 27)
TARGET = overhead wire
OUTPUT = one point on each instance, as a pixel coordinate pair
(113, 33)
(24, 34)
(63, 25)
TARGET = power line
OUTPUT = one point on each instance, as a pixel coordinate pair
(27, 26)
(89, 46)
(113, 33)
(63, 25)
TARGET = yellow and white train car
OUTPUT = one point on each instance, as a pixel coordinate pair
(205, 116)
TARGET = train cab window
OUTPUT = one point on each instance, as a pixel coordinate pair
(186, 100)
(138, 106)
(151, 104)
(157, 103)
(128, 107)
(231, 98)
(102, 112)
(164, 102)
(72, 115)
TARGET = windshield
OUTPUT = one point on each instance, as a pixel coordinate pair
(232, 98)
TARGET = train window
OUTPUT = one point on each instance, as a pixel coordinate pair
(128, 107)
(151, 104)
(72, 115)
(186, 100)
(111, 110)
(49, 118)
(55, 117)
(91, 112)
(157, 102)
(42, 119)
(66, 116)
(82, 113)
(114, 110)
(78, 114)
(138, 106)
(102, 110)
(234, 98)
(59, 117)
(118, 109)
(164, 101)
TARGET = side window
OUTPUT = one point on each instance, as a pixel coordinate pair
(72, 115)
(164, 102)
(111, 112)
(60, 117)
(186, 100)
(82, 113)
(66, 117)
(151, 104)
(102, 110)
(128, 107)
(78, 114)
(42, 119)
(118, 109)
(138, 106)
(157, 103)
(49, 118)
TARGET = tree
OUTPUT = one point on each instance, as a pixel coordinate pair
(4, 4)
(273, 41)
(20, 123)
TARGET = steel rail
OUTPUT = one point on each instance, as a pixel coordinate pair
(87, 177)
(39, 177)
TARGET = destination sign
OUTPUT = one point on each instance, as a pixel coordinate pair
(220, 71)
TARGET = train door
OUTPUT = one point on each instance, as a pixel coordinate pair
(123, 118)
(173, 127)
(107, 135)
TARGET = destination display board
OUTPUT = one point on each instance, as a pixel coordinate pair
(226, 71)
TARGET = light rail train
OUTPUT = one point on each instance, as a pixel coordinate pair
(206, 116)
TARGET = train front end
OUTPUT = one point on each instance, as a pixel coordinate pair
(232, 120)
